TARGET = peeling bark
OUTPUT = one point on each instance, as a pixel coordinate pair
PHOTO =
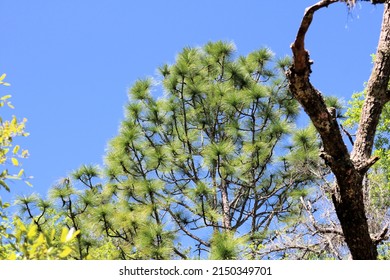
(349, 169)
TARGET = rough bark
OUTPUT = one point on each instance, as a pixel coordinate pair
(349, 169)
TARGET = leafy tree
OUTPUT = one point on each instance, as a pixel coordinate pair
(28, 243)
(349, 167)
(199, 164)
(70, 206)
(4, 226)
(17, 239)
(10, 153)
(214, 167)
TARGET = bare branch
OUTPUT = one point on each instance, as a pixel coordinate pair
(347, 133)
(383, 235)
(307, 206)
(298, 47)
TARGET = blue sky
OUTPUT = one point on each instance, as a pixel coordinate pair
(71, 62)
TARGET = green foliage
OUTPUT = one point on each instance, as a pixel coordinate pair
(192, 173)
(304, 149)
(195, 159)
(104, 251)
(225, 246)
(10, 154)
(384, 251)
(74, 203)
(21, 241)
(58, 228)
(354, 110)
(28, 243)
(153, 242)
(4, 227)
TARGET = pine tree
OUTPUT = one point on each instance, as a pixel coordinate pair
(196, 162)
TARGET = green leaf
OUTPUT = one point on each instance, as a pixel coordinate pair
(15, 162)
(20, 173)
(16, 149)
(4, 185)
(64, 234)
(5, 97)
(141, 89)
(32, 231)
(67, 250)
(28, 183)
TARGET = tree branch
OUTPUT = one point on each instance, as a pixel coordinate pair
(311, 99)
(307, 206)
(383, 235)
(298, 47)
(349, 170)
(348, 134)
(188, 233)
(377, 95)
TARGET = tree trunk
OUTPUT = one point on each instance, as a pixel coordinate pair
(349, 170)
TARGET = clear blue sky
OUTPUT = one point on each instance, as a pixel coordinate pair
(71, 62)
